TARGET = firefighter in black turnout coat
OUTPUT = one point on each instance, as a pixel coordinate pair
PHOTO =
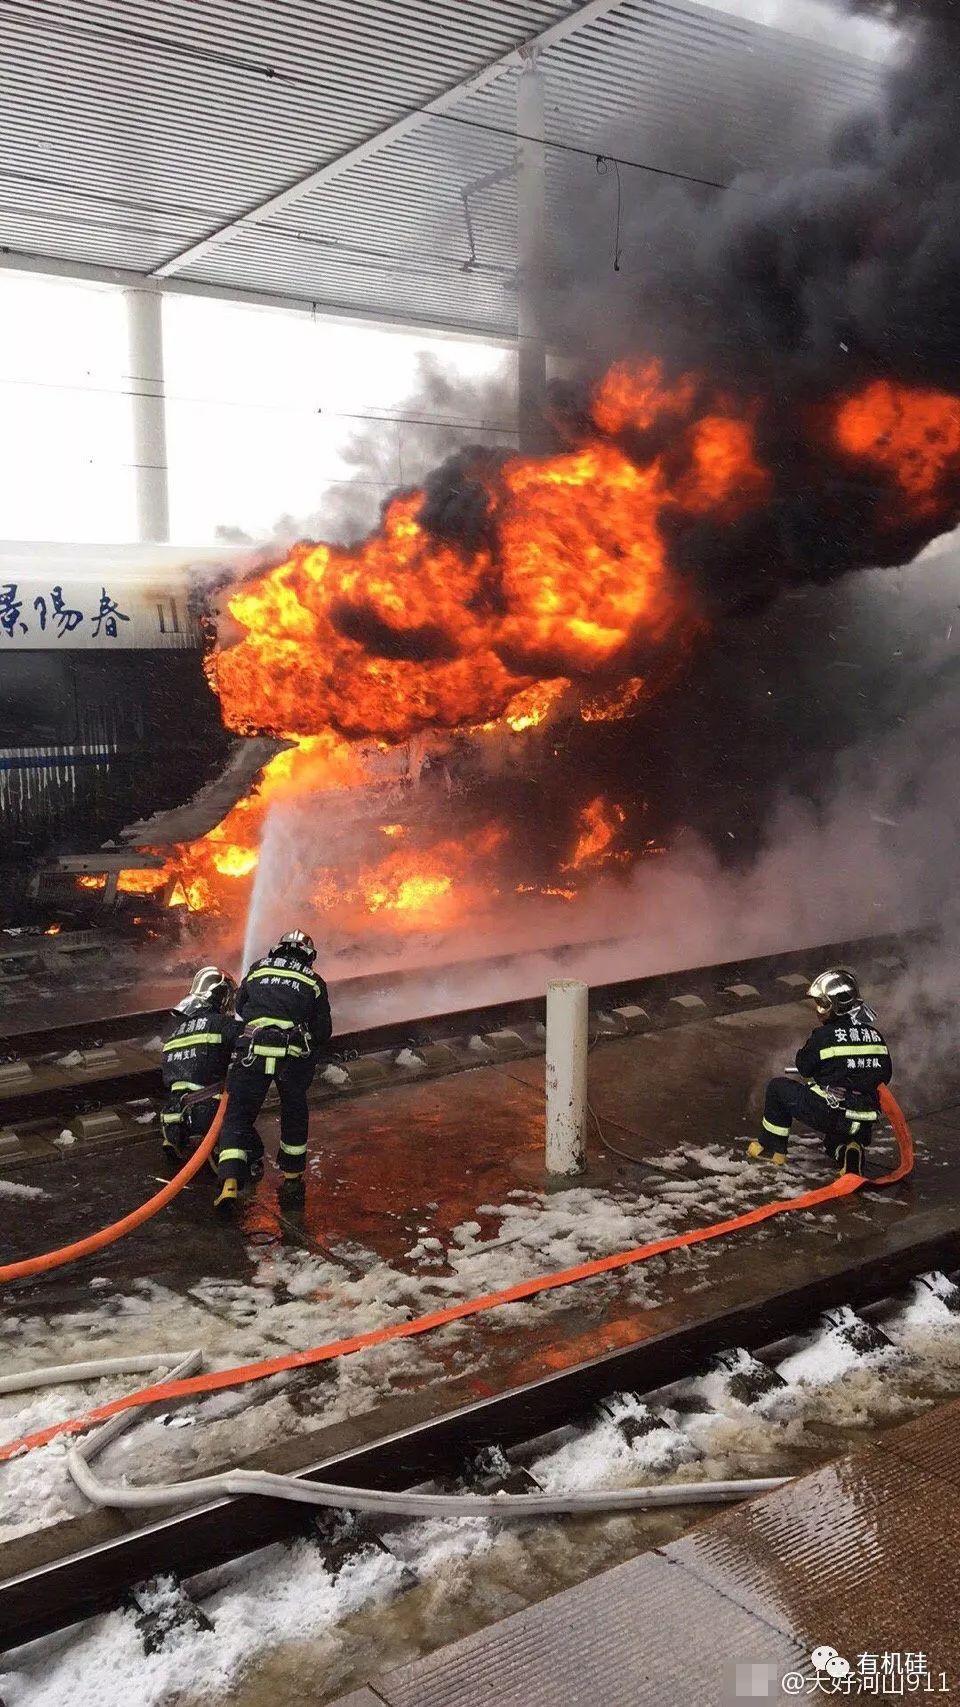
(841, 1066)
(285, 1011)
(196, 1056)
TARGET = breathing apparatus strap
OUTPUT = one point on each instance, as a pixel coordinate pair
(836, 1099)
(294, 1044)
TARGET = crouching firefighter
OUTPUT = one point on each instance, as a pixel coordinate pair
(844, 1062)
(285, 1011)
(196, 1056)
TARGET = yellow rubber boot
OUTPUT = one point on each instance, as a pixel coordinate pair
(851, 1157)
(228, 1196)
(757, 1153)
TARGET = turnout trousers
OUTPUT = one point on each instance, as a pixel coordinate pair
(790, 1099)
(185, 1121)
(241, 1147)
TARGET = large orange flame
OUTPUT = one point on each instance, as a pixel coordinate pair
(404, 632)
(598, 827)
(566, 598)
(911, 434)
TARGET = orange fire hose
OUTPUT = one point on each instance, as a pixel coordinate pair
(238, 1376)
(109, 1235)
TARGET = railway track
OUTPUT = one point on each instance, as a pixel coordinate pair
(66, 1587)
(49, 1075)
(480, 1445)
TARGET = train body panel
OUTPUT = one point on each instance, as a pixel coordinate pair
(110, 598)
(106, 716)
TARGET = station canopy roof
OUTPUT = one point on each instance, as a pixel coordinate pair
(361, 155)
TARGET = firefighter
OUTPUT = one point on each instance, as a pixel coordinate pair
(285, 1011)
(196, 1056)
(841, 1066)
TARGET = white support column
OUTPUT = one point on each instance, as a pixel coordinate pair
(531, 259)
(566, 1076)
(145, 343)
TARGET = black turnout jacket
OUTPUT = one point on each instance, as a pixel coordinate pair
(848, 1054)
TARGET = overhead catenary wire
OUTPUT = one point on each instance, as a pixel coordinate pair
(602, 165)
(590, 153)
(385, 418)
(580, 150)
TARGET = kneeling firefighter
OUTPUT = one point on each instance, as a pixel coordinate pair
(285, 1011)
(844, 1062)
(196, 1056)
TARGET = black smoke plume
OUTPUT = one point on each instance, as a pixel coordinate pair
(784, 294)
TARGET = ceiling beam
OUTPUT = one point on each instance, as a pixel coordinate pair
(126, 278)
(400, 127)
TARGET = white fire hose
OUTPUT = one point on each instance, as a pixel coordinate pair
(231, 1483)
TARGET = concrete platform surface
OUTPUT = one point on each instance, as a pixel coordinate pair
(863, 1557)
(424, 1194)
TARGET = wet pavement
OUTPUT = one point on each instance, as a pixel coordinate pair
(396, 1174)
(410, 1163)
(860, 1560)
(407, 1163)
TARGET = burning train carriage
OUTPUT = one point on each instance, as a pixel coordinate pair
(578, 598)
(106, 716)
(500, 692)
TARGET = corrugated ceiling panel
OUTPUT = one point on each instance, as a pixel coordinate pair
(128, 133)
(707, 102)
(220, 104)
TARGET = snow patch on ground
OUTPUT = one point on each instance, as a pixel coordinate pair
(295, 1300)
(294, 1599)
(13, 1188)
(286, 1597)
(602, 1457)
(828, 1355)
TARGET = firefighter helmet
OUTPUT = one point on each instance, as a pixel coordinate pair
(835, 991)
(211, 988)
(297, 942)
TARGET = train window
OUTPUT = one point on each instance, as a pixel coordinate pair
(37, 699)
(169, 616)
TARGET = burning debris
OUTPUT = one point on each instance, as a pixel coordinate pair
(599, 825)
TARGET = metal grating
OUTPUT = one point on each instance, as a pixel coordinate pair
(131, 133)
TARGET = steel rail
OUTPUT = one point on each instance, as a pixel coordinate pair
(77, 1585)
(653, 992)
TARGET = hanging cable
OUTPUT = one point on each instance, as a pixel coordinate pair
(603, 165)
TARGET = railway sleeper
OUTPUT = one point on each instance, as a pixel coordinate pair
(342, 1538)
(746, 1378)
(941, 1286)
(162, 1608)
(490, 1471)
(636, 1420)
(853, 1330)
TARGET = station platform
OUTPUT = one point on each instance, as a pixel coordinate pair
(437, 1179)
(862, 1557)
(423, 1194)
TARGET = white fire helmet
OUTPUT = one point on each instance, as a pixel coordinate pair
(211, 988)
(300, 943)
(835, 991)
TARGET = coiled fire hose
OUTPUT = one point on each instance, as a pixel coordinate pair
(109, 1235)
(238, 1376)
